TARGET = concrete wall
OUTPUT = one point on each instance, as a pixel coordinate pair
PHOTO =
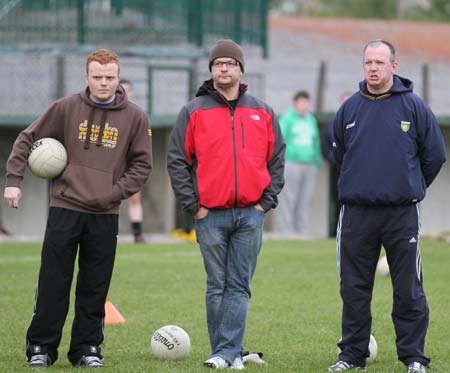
(159, 206)
(435, 208)
(28, 221)
(157, 197)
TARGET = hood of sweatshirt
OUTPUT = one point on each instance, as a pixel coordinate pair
(401, 85)
(120, 101)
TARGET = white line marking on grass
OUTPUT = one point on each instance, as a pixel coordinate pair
(29, 259)
(19, 259)
(151, 254)
(181, 253)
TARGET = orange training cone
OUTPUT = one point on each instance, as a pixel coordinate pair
(112, 314)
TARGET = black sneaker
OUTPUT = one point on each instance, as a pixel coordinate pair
(343, 365)
(39, 361)
(139, 238)
(90, 362)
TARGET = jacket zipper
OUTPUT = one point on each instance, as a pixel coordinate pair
(243, 134)
(234, 158)
(233, 133)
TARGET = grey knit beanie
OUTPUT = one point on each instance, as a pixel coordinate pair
(226, 48)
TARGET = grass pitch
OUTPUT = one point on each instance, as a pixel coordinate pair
(294, 314)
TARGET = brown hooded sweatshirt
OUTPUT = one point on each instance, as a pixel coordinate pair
(109, 152)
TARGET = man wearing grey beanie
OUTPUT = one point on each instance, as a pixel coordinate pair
(226, 164)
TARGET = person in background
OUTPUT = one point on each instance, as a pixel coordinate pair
(109, 151)
(388, 148)
(326, 144)
(4, 234)
(135, 210)
(226, 162)
(303, 158)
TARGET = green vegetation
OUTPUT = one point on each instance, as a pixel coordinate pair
(294, 315)
(431, 10)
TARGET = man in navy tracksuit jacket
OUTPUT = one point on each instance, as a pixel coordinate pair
(389, 148)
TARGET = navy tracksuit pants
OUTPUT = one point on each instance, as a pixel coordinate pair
(94, 238)
(361, 232)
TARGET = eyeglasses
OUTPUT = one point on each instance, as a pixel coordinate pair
(228, 64)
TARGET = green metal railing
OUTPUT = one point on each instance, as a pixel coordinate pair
(133, 22)
(162, 83)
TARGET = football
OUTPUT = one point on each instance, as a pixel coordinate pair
(373, 349)
(383, 266)
(170, 342)
(47, 158)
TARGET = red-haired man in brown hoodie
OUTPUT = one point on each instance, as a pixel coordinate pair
(109, 148)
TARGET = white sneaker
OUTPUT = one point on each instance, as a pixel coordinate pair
(216, 362)
(237, 364)
(90, 361)
(39, 361)
(253, 357)
(416, 368)
(343, 365)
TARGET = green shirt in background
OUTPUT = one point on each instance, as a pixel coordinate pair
(302, 137)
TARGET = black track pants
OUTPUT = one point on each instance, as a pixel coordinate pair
(96, 237)
(361, 232)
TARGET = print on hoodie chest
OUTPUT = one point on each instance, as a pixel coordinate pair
(109, 138)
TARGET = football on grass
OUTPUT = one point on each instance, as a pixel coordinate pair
(170, 342)
(383, 266)
(47, 158)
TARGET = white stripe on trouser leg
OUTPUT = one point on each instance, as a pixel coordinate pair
(418, 256)
(338, 239)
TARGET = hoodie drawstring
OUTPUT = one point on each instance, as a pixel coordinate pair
(87, 140)
(102, 127)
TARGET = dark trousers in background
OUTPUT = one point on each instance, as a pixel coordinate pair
(361, 232)
(94, 237)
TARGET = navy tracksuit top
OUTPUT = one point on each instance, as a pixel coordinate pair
(389, 147)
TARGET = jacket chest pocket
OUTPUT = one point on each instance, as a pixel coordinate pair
(251, 136)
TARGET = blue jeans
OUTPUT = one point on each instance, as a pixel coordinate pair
(230, 241)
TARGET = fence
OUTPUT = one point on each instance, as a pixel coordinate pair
(162, 83)
(133, 22)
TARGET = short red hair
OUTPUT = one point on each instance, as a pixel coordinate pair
(103, 57)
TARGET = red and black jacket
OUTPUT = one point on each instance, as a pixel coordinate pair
(220, 157)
